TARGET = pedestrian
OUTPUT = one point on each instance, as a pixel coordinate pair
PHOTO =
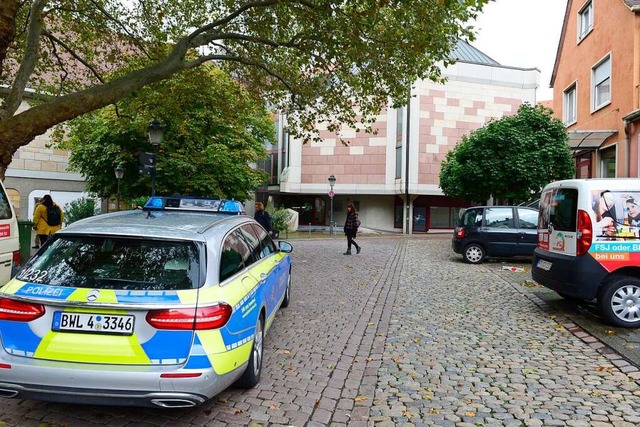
(263, 217)
(36, 243)
(47, 218)
(351, 225)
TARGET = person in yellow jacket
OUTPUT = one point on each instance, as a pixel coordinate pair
(44, 225)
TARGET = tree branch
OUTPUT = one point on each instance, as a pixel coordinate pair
(28, 63)
(75, 56)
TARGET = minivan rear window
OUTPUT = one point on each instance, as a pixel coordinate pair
(558, 209)
(115, 263)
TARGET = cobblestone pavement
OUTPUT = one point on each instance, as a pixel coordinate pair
(466, 348)
(402, 334)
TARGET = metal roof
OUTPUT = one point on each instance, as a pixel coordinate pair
(464, 52)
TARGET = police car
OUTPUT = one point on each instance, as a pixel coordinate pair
(163, 307)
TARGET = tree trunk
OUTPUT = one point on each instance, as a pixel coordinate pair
(8, 12)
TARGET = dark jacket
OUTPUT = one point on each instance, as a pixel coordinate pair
(264, 219)
(351, 224)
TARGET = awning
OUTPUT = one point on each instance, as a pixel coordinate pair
(586, 140)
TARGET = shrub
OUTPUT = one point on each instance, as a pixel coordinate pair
(279, 219)
(78, 209)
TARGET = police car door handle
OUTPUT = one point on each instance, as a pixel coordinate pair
(263, 278)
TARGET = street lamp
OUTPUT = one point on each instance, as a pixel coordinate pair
(155, 137)
(332, 182)
(119, 170)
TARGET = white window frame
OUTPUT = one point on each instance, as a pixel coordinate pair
(601, 74)
(585, 20)
(570, 104)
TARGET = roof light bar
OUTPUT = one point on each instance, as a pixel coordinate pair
(195, 204)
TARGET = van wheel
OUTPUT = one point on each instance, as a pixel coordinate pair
(251, 376)
(473, 253)
(619, 302)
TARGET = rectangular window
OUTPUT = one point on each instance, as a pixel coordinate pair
(601, 77)
(399, 140)
(585, 20)
(608, 163)
(285, 148)
(569, 105)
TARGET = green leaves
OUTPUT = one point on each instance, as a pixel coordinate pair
(510, 159)
(213, 131)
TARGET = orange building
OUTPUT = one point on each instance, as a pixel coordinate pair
(596, 86)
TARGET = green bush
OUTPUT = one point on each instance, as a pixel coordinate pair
(279, 219)
(78, 209)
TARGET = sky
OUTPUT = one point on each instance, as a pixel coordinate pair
(522, 33)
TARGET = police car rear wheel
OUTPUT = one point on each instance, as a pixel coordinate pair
(251, 375)
(473, 253)
(620, 302)
(287, 293)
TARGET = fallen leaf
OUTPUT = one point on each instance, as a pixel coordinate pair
(238, 411)
(417, 340)
(287, 352)
(470, 414)
(371, 323)
(369, 359)
(407, 414)
(610, 332)
(433, 411)
(223, 399)
(274, 407)
(360, 398)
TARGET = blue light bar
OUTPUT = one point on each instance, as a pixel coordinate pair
(194, 204)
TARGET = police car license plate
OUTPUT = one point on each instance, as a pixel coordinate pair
(544, 265)
(93, 323)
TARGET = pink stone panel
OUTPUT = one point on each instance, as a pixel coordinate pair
(453, 102)
(437, 93)
(426, 101)
(471, 111)
(450, 132)
(479, 104)
(345, 160)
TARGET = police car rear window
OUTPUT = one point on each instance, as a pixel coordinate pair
(115, 263)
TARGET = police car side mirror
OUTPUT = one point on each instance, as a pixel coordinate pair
(285, 246)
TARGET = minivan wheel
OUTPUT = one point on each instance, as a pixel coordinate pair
(473, 253)
(619, 302)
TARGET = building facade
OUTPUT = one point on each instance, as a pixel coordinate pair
(596, 86)
(392, 175)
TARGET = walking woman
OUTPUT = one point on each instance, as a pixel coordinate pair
(351, 225)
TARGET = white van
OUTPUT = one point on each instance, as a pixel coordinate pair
(589, 244)
(9, 240)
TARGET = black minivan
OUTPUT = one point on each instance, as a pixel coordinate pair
(495, 231)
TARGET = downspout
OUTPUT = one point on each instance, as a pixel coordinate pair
(406, 165)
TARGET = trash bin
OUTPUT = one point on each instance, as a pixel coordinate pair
(24, 233)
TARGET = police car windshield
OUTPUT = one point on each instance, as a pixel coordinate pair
(115, 263)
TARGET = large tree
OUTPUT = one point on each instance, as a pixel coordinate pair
(314, 59)
(510, 159)
(213, 130)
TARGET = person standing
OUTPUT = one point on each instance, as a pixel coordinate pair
(351, 225)
(47, 218)
(36, 243)
(263, 217)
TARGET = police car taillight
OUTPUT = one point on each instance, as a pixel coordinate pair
(19, 311)
(585, 233)
(211, 317)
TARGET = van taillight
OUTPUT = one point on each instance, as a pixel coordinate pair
(16, 258)
(211, 317)
(19, 311)
(459, 232)
(585, 233)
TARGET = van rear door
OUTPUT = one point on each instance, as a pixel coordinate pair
(9, 241)
(557, 220)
